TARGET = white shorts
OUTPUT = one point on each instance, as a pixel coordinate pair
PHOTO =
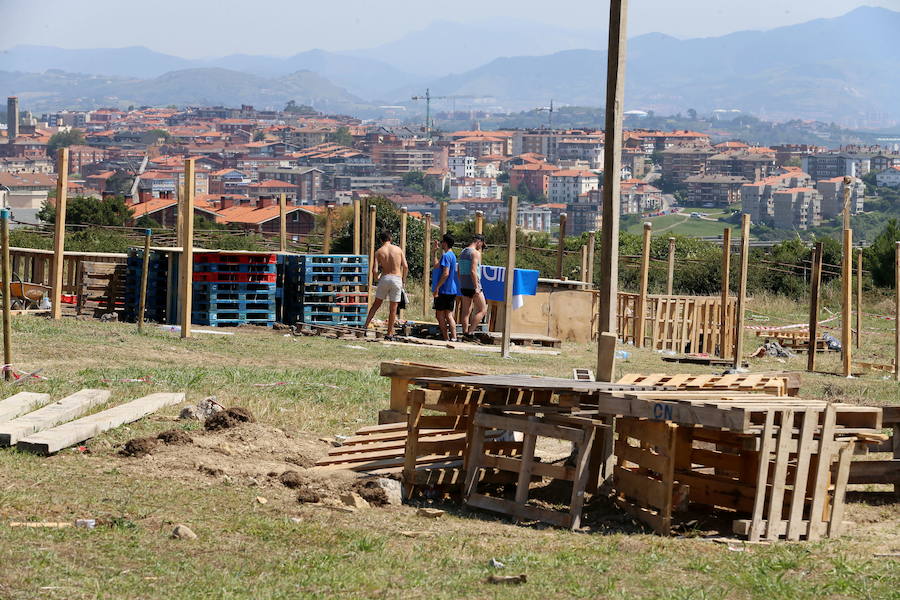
(390, 287)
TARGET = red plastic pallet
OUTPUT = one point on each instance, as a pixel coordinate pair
(236, 277)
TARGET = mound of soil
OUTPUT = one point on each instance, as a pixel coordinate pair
(175, 437)
(139, 447)
(229, 418)
(371, 492)
(292, 479)
(307, 494)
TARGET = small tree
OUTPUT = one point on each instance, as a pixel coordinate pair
(64, 139)
(880, 256)
(82, 210)
(342, 136)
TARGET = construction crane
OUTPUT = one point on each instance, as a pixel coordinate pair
(428, 98)
(549, 110)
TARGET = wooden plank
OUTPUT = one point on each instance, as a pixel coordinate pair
(68, 434)
(53, 414)
(645, 515)
(20, 404)
(805, 447)
(776, 499)
(644, 489)
(822, 474)
(762, 477)
(520, 511)
(525, 468)
(836, 522)
(530, 427)
(715, 490)
(875, 471)
(742, 526)
(582, 475)
(507, 463)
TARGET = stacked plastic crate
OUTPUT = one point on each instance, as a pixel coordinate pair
(157, 283)
(234, 289)
(326, 289)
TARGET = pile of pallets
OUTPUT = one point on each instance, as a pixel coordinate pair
(234, 289)
(101, 287)
(794, 339)
(157, 285)
(778, 384)
(326, 289)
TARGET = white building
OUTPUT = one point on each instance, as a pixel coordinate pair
(535, 219)
(567, 185)
(461, 166)
(475, 187)
(889, 177)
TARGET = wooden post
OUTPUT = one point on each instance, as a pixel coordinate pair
(726, 274)
(590, 256)
(179, 228)
(404, 215)
(326, 239)
(5, 274)
(443, 218)
(371, 240)
(561, 245)
(426, 266)
(859, 286)
(510, 276)
(815, 283)
(282, 223)
(357, 234)
(584, 263)
(59, 235)
(644, 283)
(670, 276)
(612, 166)
(847, 303)
(479, 221)
(742, 291)
(897, 316)
(145, 274)
(186, 268)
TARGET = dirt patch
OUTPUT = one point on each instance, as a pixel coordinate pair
(307, 494)
(292, 479)
(139, 447)
(371, 492)
(175, 437)
(228, 418)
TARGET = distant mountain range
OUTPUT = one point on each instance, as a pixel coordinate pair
(843, 69)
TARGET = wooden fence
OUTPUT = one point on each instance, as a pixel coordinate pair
(678, 323)
(35, 266)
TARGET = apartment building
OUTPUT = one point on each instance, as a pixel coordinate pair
(307, 180)
(752, 166)
(797, 208)
(566, 186)
(836, 164)
(534, 176)
(714, 190)
(756, 197)
(475, 187)
(889, 177)
(394, 160)
(681, 162)
(832, 191)
(535, 219)
(461, 166)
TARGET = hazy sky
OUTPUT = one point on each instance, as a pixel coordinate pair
(207, 28)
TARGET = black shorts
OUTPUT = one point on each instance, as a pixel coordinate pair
(445, 302)
(467, 292)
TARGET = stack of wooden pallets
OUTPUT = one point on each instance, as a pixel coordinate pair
(778, 384)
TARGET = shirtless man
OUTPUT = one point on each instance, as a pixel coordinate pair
(473, 306)
(390, 262)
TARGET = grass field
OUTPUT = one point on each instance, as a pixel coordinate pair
(250, 550)
(683, 224)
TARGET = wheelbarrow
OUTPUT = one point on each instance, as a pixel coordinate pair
(26, 296)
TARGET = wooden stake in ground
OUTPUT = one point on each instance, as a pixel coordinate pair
(326, 239)
(59, 235)
(479, 221)
(404, 215)
(443, 218)
(815, 283)
(847, 304)
(186, 268)
(282, 223)
(357, 234)
(644, 283)
(371, 279)
(859, 282)
(612, 166)
(145, 274)
(510, 276)
(670, 274)
(5, 275)
(426, 266)
(897, 314)
(584, 263)
(592, 236)
(726, 274)
(742, 291)
(561, 245)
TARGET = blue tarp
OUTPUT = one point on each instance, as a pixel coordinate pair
(493, 280)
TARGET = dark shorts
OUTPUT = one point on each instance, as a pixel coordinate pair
(445, 302)
(467, 292)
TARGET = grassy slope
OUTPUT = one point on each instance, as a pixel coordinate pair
(249, 550)
(683, 224)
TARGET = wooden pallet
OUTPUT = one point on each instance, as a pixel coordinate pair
(521, 339)
(781, 384)
(882, 471)
(709, 361)
(793, 339)
(101, 287)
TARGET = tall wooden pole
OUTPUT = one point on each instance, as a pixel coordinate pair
(443, 218)
(282, 223)
(644, 284)
(5, 274)
(426, 266)
(326, 239)
(186, 268)
(742, 291)
(479, 221)
(847, 304)
(584, 263)
(59, 234)
(592, 236)
(723, 312)
(357, 234)
(859, 291)
(510, 276)
(612, 166)
(815, 284)
(561, 245)
(670, 275)
(897, 313)
(404, 216)
(371, 279)
(179, 228)
(145, 274)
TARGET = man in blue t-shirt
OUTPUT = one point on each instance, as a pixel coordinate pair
(445, 286)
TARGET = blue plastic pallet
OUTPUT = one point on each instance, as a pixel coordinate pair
(214, 322)
(233, 268)
(237, 306)
(235, 286)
